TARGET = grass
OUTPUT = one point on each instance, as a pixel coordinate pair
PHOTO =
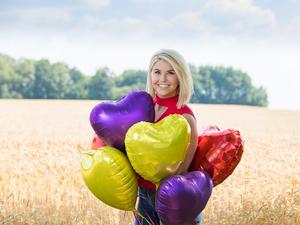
(40, 181)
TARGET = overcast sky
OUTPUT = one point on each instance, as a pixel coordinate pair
(259, 37)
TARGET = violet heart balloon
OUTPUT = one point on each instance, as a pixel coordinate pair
(180, 198)
(111, 120)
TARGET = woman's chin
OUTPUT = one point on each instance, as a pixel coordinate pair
(165, 94)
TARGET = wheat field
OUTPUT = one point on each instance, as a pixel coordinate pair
(40, 181)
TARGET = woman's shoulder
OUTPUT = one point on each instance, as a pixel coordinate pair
(185, 109)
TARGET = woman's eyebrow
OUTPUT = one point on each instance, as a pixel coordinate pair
(171, 70)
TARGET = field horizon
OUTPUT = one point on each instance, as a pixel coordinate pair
(40, 181)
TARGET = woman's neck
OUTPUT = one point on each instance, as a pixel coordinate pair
(167, 102)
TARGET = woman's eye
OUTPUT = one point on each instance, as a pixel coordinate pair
(157, 72)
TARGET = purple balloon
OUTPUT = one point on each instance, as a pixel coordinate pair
(111, 120)
(180, 198)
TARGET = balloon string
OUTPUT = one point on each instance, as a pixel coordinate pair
(140, 215)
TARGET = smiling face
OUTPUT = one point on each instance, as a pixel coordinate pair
(164, 79)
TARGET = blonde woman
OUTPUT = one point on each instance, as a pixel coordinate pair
(170, 84)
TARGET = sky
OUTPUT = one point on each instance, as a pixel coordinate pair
(259, 37)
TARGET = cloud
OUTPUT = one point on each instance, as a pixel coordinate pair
(243, 15)
(214, 18)
(188, 24)
(97, 3)
(192, 21)
(237, 6)
(35, 18)
(293, 26)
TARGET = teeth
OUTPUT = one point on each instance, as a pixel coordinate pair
(163, 85)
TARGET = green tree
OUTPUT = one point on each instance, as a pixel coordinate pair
(8, 78)
(129, 80)
(42, 84)
(77, 87)
(259, 96)
(220, 85)
(101, 85)
(60, 80)
(50, 80)
(204, 86)
(26, 76)
(132, 77)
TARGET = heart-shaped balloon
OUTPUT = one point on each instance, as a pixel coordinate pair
(180, 198)
(111, 120)
(156, 150)
(218, 152)
(110, 177)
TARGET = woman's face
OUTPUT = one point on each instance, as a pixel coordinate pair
(164, 79)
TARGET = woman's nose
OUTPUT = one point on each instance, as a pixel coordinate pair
(163, 77)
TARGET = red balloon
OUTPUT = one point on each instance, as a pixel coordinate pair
(218, 152)
(97, 142)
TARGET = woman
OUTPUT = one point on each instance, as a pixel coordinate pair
(170, 84)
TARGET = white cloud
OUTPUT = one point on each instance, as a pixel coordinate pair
(97, 3)
(294, 26)
(35, 18)
(248, 14)
(155, 27)
(148, 28)
(135, 23)
(238, 6)
(185, 24)
(113, 29)
(192, 21)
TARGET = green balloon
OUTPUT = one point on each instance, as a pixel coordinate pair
(110, 177)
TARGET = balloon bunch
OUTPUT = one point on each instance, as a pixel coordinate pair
(128, 142)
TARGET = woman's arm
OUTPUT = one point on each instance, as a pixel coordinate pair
(192, 146)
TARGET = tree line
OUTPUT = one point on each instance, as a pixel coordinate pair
(40, 79)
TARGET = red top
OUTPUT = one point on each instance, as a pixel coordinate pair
(170, 103)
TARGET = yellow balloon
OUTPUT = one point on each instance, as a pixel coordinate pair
(156, 150)
(110, 177)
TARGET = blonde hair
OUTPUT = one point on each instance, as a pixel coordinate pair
(182, 71)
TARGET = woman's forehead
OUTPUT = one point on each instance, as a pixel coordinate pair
(162, 64)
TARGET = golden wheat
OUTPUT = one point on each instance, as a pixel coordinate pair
(40, 182)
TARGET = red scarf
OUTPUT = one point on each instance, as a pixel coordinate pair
(171, 103)
(168, 102)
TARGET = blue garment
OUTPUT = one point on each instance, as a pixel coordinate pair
(146, 206)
